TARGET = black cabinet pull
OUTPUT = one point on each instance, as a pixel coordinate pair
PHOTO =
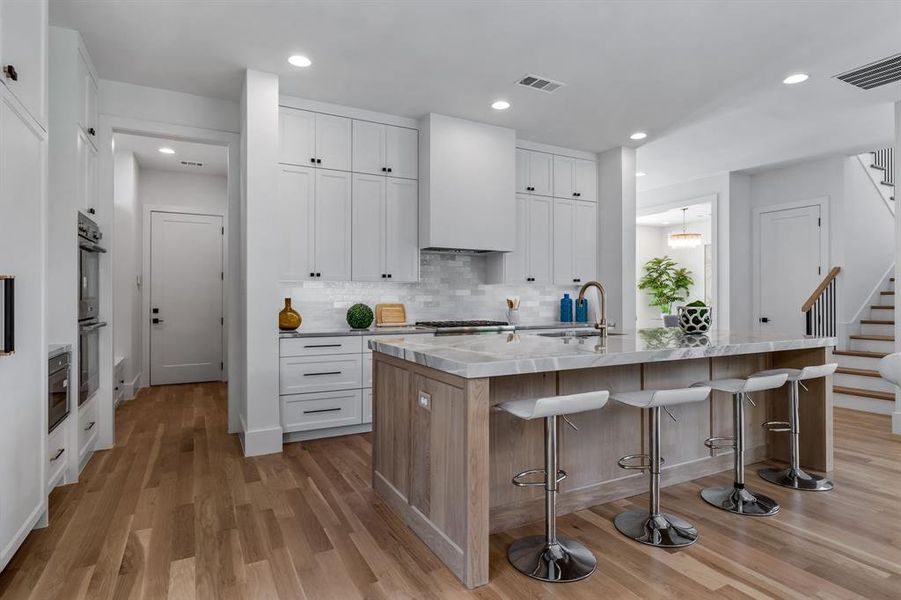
(90, 426)
(321, 410)
(312, 274)
(577, 280)
(10, 72)
(389, 169)
(156, 321)
(91, 131)
(389, 275)
(323, 346)
(318, 161)
(384, 275)
(324, 373)
(384, 170)
(318, 274)
(58, 454)
(313, 160)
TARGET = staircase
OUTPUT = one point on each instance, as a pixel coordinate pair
(884, 161)
(857, 383)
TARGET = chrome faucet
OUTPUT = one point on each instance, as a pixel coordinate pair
(601, 323)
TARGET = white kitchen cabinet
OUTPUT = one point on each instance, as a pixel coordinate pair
(23, 375)
(87, 97)
(533, 259)
(575, 241)
(314, 139)
(23, 54)
(534, 172)
(385, 149)
(86, 173)
(296, 210)
(575, 178)
(368, 244)
(332, 220)
(322, 410)
(385, 234)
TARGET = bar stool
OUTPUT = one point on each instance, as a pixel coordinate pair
(653, 527)
(794, 476)
(737, 498)
(548, 557)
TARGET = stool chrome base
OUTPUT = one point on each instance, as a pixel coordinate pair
(565, 560)
(740, 501)
(796, 479)
(663, 530)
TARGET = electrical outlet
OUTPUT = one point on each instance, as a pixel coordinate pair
(425, 401)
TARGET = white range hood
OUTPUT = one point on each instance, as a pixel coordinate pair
(467, 194)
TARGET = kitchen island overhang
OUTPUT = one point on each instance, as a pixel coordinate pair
(443, 459)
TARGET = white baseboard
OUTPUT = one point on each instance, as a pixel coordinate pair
(870, 405)
(261, 441)
(315, 434)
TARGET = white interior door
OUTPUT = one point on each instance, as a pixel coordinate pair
(790, 266)
(185, 298)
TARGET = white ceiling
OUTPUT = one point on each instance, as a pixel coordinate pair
(695, 213)
(703, 78)
(146, 151)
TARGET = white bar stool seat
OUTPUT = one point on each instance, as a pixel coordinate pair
(737, 498)
(548, 557)
(794, 476)
(653, 527)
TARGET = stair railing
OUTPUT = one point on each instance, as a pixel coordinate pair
(885, 160)
(819, 310)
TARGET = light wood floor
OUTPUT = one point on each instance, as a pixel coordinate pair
(175, 511)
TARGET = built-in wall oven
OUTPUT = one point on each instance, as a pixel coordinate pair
(58, 390)
(89, 324)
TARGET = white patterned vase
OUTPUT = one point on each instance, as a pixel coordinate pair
(695, 319)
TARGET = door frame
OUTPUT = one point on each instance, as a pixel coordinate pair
(718, 248)
(823, 202)
(147, 283)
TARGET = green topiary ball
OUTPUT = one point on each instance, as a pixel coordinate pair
(359, 316)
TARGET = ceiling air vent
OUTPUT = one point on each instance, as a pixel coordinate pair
(191, 163)
(536, 82)
(881, 72)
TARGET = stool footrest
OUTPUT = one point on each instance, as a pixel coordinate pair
(777, 426)
(644, 465)
(720, 443)
(517, 479)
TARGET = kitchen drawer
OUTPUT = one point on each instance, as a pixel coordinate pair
(56, 452)
(318, 346)
(305, 374)
(367, 405)
(87, 427)
(367, 370)
(303, 412)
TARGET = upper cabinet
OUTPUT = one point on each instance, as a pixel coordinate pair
(575, 241)
(575, 178)
(534, 172)
(314, 139)
(87, 98)
(385, 239)
(23, 54)
(533, 259)
(380, 149)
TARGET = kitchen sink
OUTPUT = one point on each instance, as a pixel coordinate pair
(577, 333)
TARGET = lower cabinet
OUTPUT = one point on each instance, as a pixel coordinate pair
(56, 454)
(87, 430)
(303, 412)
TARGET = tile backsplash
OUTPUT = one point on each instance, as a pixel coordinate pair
(451, 286)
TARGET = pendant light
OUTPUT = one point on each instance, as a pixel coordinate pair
(685, 239)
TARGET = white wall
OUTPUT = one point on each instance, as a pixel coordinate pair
(187, 190)
(127, 259)
(649, 245)
(616, 231)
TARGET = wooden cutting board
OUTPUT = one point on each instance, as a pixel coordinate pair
(390, 315)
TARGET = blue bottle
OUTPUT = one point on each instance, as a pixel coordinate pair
(582, 311)
(566, 309)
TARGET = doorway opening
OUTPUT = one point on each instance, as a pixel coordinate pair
(170, 201)
(660, 233)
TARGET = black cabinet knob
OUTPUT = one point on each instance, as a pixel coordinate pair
(384, 170)
(10, 72)
(91, 131)
(313, 160)
(764, 319)
(156, 321)
(318, 274)
(389, 275)
(389, 169)
(318, 161)
(384, 275)
(577, 280)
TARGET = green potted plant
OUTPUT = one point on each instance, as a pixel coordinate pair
(666, 283)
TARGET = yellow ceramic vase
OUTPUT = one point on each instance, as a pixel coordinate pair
(288, 319)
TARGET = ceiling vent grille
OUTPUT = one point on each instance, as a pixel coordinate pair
(875, 74)
(191, 163)
(537, 82)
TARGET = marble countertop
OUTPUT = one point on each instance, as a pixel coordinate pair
(339, 331)
(514, 353)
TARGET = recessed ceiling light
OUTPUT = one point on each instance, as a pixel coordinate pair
(166, 150)
(795, 78)
(299, 60)
(500, 105)
(638, 135)
(640, 174)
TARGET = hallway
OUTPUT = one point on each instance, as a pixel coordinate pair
(175, 511)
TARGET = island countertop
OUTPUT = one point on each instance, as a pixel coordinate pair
(476, 356)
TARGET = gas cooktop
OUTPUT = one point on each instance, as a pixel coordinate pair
(464, 327)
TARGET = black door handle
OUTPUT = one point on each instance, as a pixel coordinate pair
(156, 321)
(764, 319)
(10, 72)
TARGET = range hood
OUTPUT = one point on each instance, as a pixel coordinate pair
(467, 194)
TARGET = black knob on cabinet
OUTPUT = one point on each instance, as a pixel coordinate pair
(10, 72)
(92, 211)
(156, 321)
(318, 161)
(577, 280)
(313, 160)
(384, 275)
(389, 169)
(764, 319)
(384, 169)
(389, 275)
(312, 274)
(318, 274)
(91, 131)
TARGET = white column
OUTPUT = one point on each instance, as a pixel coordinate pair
(616, 229)
(259, 137)
(896, 416)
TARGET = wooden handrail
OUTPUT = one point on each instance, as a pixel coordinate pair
(816, 293)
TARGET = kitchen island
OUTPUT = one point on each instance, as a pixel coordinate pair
(443, 458)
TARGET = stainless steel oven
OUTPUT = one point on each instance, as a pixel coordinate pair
(89, 251)
(58, 390)
(88, 358)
